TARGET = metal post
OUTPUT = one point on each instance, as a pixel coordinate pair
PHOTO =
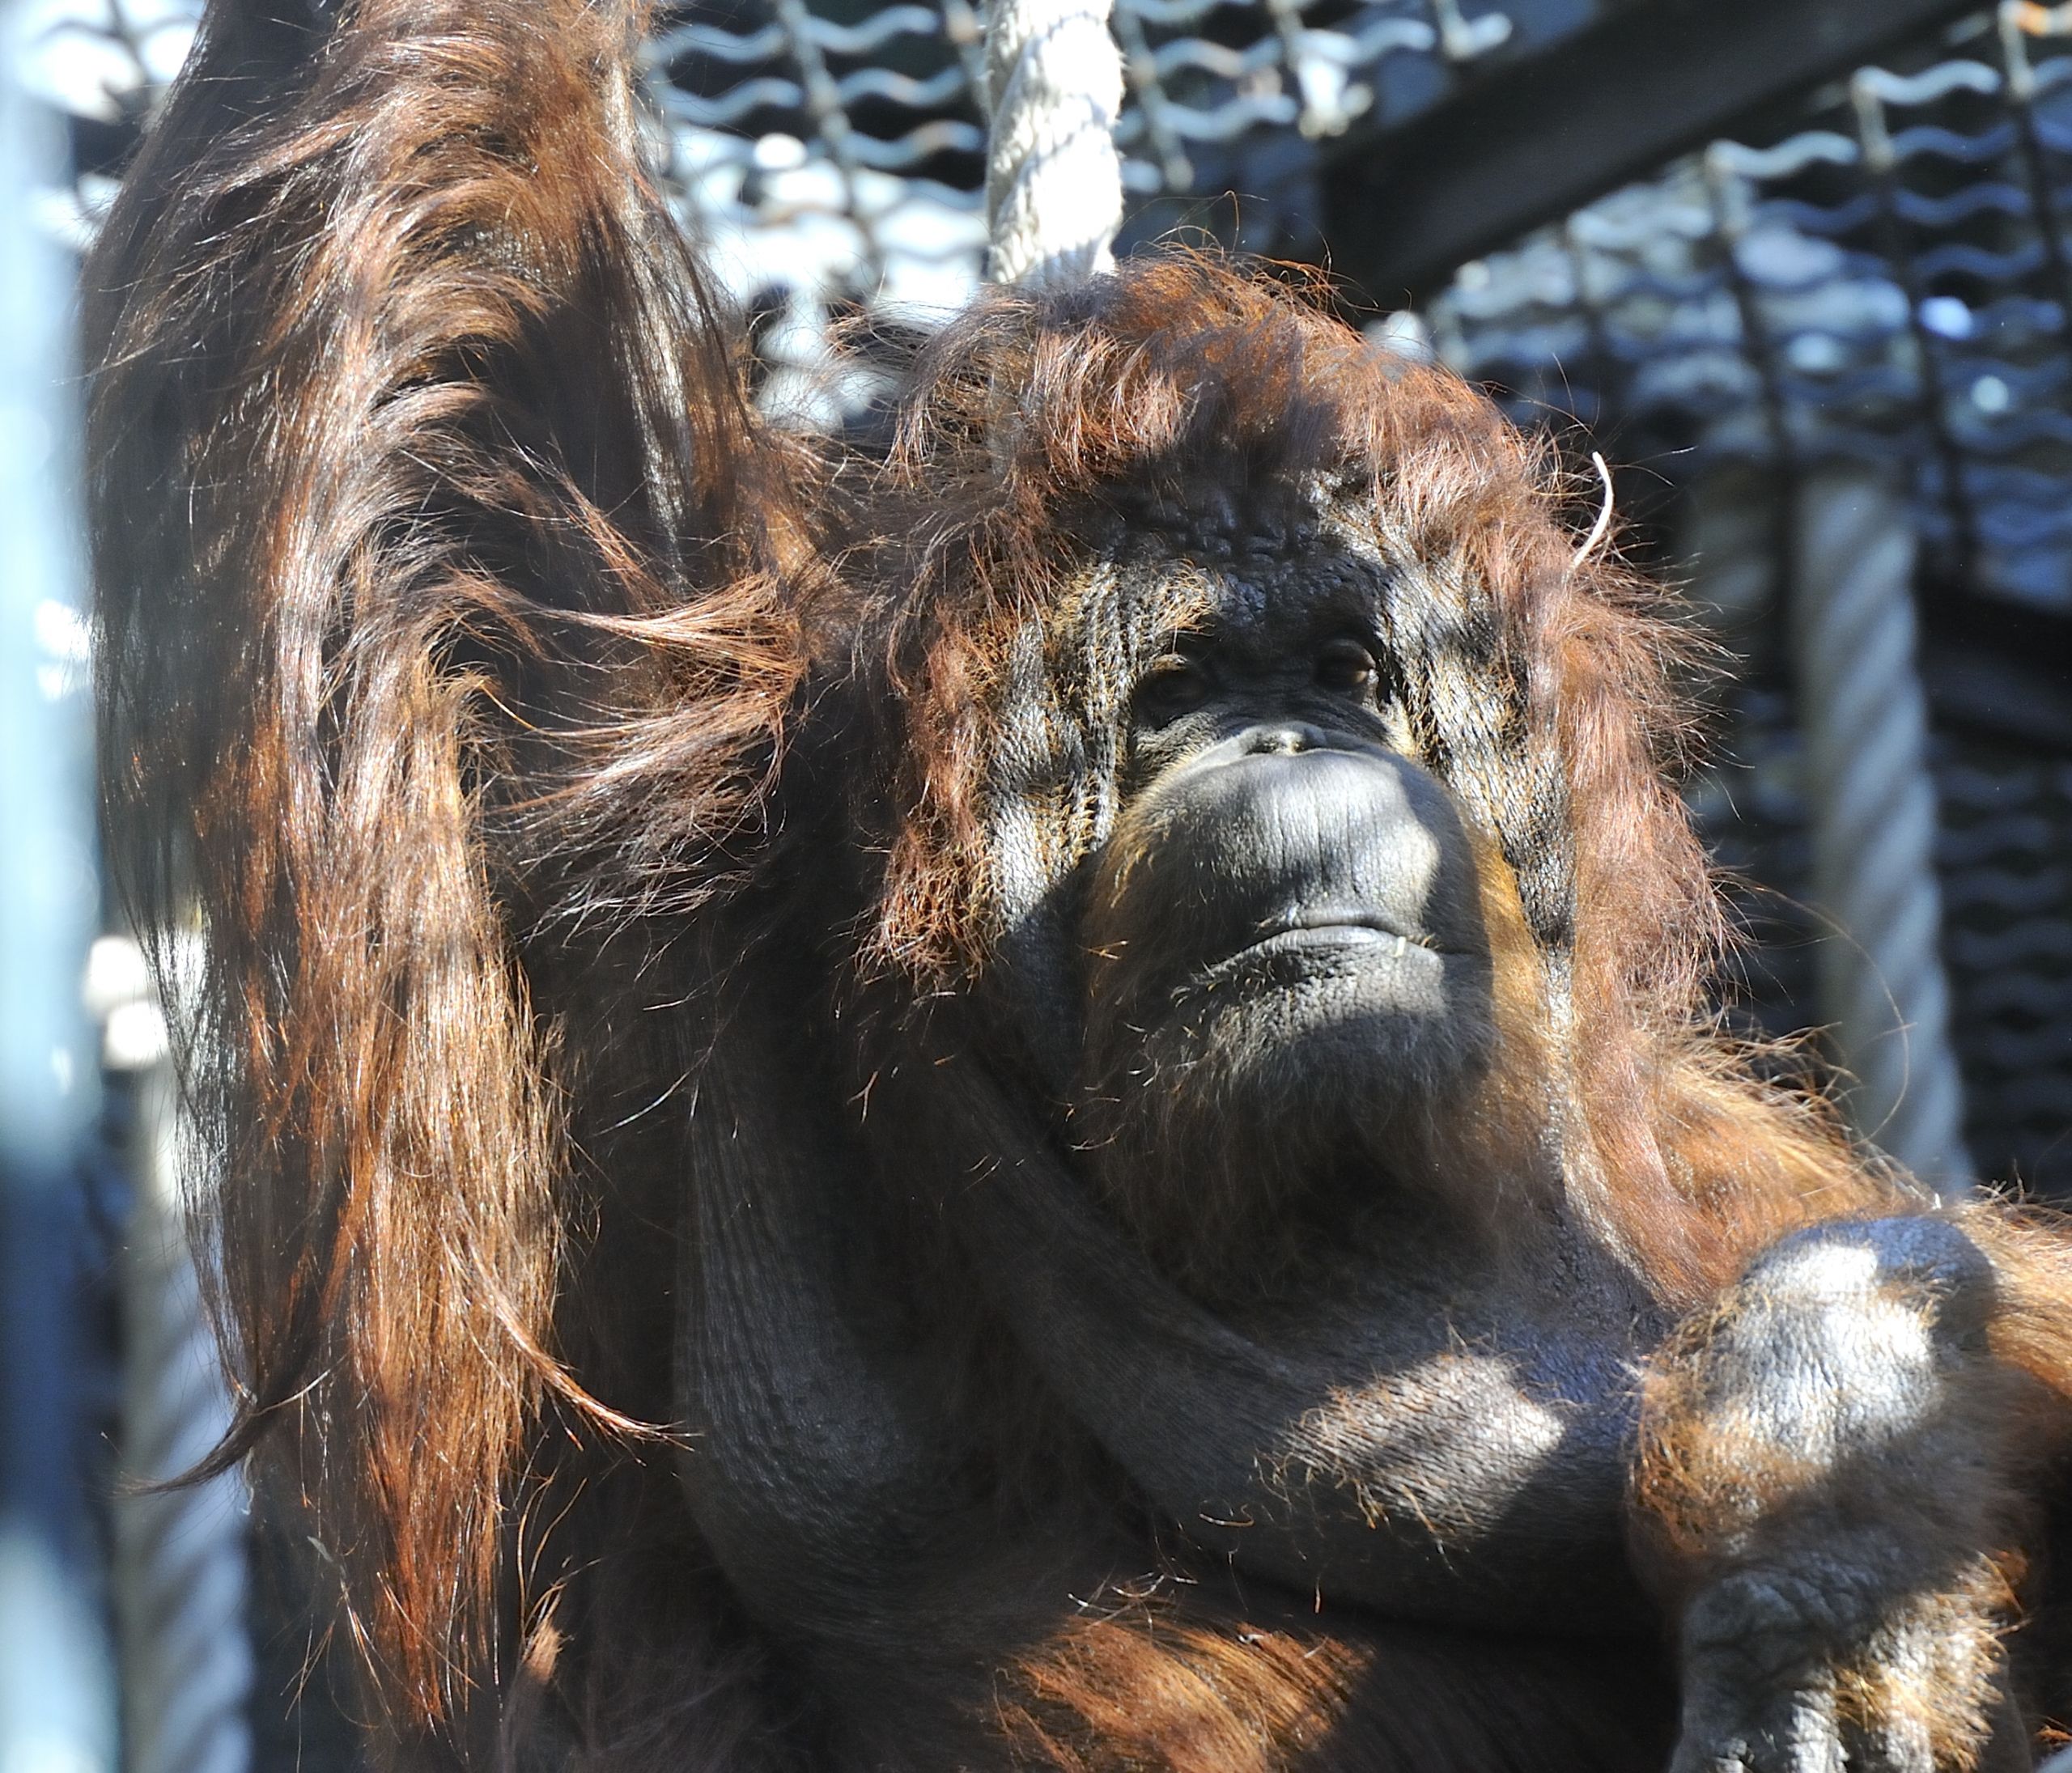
(55, 1710)
(184, 1648)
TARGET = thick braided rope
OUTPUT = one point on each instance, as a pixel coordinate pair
(1054, 181)
(1865, 724)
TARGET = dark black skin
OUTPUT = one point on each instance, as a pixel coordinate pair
(1283, 931)
(1427, 1415)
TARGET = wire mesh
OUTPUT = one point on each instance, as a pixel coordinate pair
(832, 157)
(1887, 281)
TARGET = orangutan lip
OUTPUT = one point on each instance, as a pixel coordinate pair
(1329, 925)
(1335, 920)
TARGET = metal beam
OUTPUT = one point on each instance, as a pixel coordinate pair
(1532, 142)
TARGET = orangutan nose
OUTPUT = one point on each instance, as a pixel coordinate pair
(1282, 738)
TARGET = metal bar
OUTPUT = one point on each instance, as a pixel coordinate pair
(1882, 167)
(1141, 69)
(837, 134)
(2021, 88)
(56, 1709)
(1525, 145)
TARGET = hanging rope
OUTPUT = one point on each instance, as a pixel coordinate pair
(1054, 181)
(1883, 988)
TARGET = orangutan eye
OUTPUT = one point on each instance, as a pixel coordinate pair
(1174, 684)
(1349, 668)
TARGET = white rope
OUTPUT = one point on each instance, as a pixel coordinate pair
(1054, 181)
(1865, 724)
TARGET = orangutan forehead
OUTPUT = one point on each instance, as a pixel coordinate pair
(1265, 597)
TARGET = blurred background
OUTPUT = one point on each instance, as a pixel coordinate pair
(1789, 281)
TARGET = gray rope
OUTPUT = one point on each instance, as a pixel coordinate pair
(1882, 989)
(1054, 181)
